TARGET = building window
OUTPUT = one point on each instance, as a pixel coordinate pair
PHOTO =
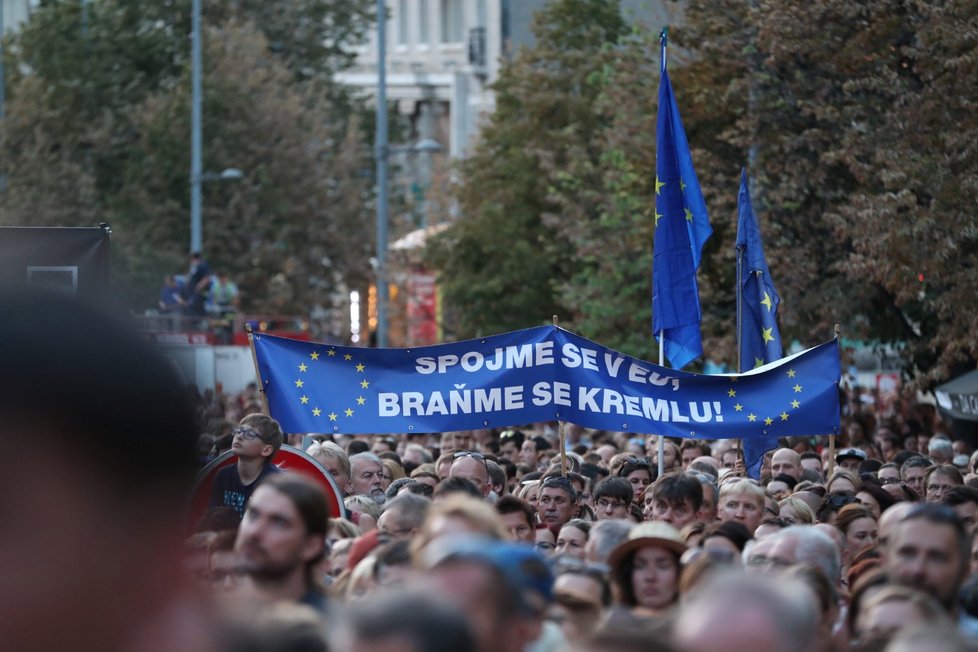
(402, 22)
(424, 18)
(452, 23)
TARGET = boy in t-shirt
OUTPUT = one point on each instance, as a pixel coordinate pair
(257, 439)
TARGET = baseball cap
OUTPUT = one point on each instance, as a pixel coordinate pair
(524, 571)
(851, 452)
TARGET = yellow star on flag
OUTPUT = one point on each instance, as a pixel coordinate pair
(332, 416)
(768, 421)
(347, 357)
(314, 355)
(795, 404)
(731, 393)
(752, 417)
(658, 185)
(739, 407)
(331, 352)
(316, 412)
(360, 367)
(303, 367)
(299, 383)
(758, 363)
(361, 400)
(682, 185)
(791, 373)
(364, 384)
(767, 302)
(349, 412)
(658, 216)
(797, 389)
(766, 334)
(689, 215)
(784, 416)
(733, 379)
(304, 399)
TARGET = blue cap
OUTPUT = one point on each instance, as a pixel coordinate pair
(524, 570)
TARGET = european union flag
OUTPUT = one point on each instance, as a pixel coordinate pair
(682, 227)
(757, 309)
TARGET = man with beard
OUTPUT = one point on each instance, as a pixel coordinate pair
(283, 536)
(367, 476)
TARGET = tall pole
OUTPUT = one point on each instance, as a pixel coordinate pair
(196, 163)
(381, 155)
(3, 84)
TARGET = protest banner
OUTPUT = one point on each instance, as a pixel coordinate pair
(534, 375)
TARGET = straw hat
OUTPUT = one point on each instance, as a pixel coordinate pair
(650, 534)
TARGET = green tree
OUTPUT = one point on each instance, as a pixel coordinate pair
(501, 266)
(98, 130)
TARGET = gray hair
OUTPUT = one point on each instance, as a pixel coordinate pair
(366, 455)
(608, 535)
(815, 548)
(786, 606)
(411, 509)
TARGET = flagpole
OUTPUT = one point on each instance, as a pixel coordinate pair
(738, 443)
(661, 447)
(560, 430)
(838, 331)
(254, 359)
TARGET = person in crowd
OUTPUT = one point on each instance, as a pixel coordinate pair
(282, 537)
(472, 466)
(676, 499)
(257, 440)
(964, 501)
(850, 459)
(572, 538)
(786, 462)
(744, 613)
(403, 517)
(645, 569)
(504, 589)
(929, 550)
(558, 501)
(894, 608)
(860, 530)
(334, 459)
(518, 517)
(742, 501)
(612, 498)
(912, 473)
(938, 480)
(367, 476)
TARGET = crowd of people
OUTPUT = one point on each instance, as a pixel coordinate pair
(491, 541)
(498, 540)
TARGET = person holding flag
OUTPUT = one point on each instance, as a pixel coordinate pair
(758, 338)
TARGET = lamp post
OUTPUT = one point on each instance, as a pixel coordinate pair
(196, 160)
(381, 156)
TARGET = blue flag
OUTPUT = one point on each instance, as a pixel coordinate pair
(682, 227)
(534, 375)
(760, 340)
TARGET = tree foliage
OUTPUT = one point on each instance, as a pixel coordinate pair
(98, 129)
(854, 118)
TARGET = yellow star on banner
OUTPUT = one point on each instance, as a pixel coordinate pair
(331, 352)
(303, 367)
(752, 418)
(332, 416)
(347, 357)
(689, 215)
(758, 363)
(360, 368)
(682, 185)
(658, 185)
(349, 412)
(731, 393)
(304, 399)
(299, 383)
(784, 416)
(658, 216)
(361, 400)
(314, 355)
(364, 384)
(733, 379)
(767, 302)
(768, 421)
(739, 407)
(791, 373)
(316, 412)
(766, 334)
(797, 389)
(795, 404)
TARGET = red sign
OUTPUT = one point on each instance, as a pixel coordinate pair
(288, 458)
(422, 309)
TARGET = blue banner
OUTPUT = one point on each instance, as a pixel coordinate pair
(534, 375)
